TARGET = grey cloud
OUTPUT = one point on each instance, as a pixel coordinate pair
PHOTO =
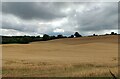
(104, 17)
(93, 18)
(22, 27)
(33, 10)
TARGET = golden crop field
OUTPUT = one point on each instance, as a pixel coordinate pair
(67, 57)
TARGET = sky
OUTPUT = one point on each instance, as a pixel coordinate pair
(53, 18)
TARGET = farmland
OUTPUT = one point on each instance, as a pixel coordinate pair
(67, 57)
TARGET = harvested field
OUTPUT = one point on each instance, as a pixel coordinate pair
(68, 57)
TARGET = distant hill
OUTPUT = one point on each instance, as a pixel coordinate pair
(86, 39)
(76, 36)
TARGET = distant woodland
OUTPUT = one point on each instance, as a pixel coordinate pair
(46, 37)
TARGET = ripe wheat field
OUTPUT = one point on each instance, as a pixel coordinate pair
(68, 57)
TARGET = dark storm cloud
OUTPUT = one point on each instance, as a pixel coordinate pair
(32, 10)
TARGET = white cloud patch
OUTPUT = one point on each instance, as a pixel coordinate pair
(58, 30)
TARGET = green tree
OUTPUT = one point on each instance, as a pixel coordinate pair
(77, 34)
(72, 36)
(60, 36)
(46, 37)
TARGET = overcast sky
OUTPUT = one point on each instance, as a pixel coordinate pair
(38, 18)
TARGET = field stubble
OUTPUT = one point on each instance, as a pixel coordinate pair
(75, 57)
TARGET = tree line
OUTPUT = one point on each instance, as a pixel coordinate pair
(28, 39)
